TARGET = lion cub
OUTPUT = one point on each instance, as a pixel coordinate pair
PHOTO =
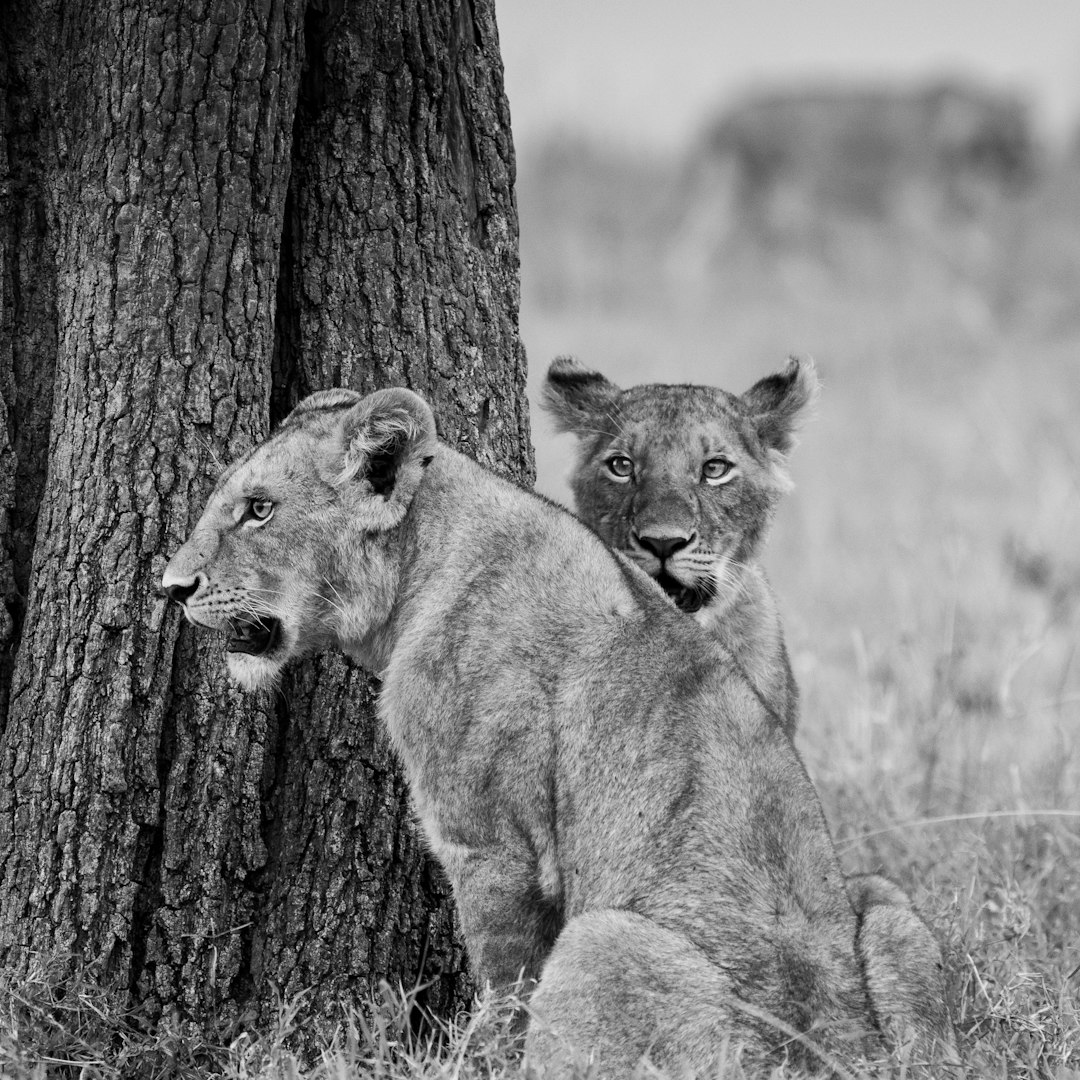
(684, 480)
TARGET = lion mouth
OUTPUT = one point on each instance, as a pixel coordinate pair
(688, 598)
(255, 635)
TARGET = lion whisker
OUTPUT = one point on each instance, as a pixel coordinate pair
(340, 605)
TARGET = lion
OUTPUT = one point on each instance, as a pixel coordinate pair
(684, 480)
(623, 825)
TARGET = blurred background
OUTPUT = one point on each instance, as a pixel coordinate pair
(893, 189)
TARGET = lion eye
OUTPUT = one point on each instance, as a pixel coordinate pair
(258, 512)
(620, 466)
(718, 471)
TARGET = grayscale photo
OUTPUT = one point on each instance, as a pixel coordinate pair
(539, 540)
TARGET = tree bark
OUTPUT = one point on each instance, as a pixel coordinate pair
(27, 317)
(216, 208)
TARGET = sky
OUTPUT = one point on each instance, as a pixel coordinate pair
(649, 73)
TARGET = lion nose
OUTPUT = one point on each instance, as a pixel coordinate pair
(663, 547)
(180, 589)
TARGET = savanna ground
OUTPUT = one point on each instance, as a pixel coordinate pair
(929, 571)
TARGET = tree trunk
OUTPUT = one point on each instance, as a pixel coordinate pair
(247, 200)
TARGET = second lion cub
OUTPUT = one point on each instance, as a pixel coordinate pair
(684, 480)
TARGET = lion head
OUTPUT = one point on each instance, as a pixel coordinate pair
(682, 479)
(296, 550)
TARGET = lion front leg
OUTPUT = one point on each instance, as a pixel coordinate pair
(509, 921)
(903, 971)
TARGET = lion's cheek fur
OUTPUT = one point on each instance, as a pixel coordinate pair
(360, 607)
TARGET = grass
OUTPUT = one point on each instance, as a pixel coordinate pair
(928, 568)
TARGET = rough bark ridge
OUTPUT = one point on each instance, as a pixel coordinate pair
(168, 192)
(205, 847)
(27, 316)
(402, 219)
(399, 268)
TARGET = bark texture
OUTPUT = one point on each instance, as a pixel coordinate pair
(27, 315)
(402, 224)
(210, 209)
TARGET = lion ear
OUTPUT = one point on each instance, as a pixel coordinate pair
(579, 400)
(388, 439)
(776, 404)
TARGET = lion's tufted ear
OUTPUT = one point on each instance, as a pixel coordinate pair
(578, 398)
(776, 403)
(387, 440)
